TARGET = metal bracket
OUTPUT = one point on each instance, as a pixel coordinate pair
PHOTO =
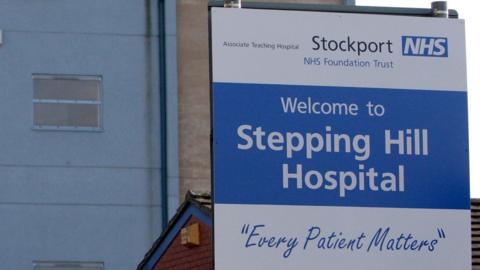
(232, 3)
(440, 9)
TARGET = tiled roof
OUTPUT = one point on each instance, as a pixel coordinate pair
(202, 199)
(475, 205)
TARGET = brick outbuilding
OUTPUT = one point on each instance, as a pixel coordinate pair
(169, 252)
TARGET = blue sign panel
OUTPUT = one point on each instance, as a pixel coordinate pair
(340, 146)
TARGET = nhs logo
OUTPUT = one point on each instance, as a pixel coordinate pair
(425, 46)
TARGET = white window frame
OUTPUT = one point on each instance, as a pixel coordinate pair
(63, 264)
(70, 101)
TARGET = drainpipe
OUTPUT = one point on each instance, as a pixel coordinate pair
(163, 112)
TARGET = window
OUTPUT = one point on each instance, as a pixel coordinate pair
(68, 266)
(63, 102)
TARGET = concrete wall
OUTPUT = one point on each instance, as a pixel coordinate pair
(82, 196)
(193, 87)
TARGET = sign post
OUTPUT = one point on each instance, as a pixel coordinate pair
(339, 141)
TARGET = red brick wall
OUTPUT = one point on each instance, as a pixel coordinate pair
(178, 257)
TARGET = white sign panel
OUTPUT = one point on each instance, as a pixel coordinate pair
(339, 141)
